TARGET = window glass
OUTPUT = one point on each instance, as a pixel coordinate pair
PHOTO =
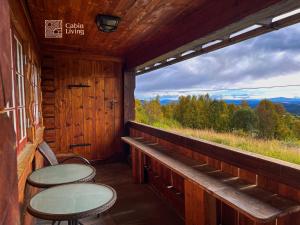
(20, 87)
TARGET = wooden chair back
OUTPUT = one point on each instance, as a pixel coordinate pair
(47, 153)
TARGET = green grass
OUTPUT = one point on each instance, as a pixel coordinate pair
(286, 151)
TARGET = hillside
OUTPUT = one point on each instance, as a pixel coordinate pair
(282, 150)
(292, 105)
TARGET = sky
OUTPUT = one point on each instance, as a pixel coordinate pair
(272, 59)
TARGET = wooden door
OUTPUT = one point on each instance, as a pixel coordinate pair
(87, 109)
(107, 119)
(90, 115)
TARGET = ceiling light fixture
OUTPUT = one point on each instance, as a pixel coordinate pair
(107, 23)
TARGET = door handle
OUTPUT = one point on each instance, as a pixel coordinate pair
(112, 102)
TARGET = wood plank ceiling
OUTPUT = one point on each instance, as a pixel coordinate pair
(149, 28)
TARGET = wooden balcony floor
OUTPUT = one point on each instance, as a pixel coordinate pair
(136, 204)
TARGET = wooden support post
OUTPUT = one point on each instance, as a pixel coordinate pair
(134, 163)
(137, 158)
(194, 204)
(200, 207)
(140, 167)
(129, 104)
(211, 215)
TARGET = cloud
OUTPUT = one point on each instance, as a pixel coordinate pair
(261, 60)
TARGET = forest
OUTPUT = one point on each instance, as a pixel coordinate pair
(268, 120)
(267, 129)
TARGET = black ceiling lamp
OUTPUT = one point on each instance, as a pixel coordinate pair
(107, 23)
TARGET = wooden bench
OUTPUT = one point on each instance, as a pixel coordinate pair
(252, 201)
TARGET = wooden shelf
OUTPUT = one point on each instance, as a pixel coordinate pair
(260, 205)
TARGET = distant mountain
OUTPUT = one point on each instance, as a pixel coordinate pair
(292, 105)
(167, 101)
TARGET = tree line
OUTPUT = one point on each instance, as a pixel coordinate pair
(268, 120)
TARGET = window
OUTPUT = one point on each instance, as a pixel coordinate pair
(35, 85)
(20, 83)
(15, 107)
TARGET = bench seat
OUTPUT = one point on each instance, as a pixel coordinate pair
(260, 205)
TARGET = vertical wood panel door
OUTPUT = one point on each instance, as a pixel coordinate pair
(87, 108)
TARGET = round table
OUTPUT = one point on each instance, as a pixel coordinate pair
(71, 202)
(61, 174)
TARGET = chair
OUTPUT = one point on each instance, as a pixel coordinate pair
(50, 157)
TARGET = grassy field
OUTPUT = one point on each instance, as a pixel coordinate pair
(287, 151)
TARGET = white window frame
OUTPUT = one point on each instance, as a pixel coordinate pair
(10, 107)
(20, 78)
(35, 85)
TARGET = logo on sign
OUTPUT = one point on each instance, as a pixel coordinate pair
(53, 28)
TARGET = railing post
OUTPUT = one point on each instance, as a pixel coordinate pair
(200, 207)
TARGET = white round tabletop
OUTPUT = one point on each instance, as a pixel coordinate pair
(61, 174)
(72, 201)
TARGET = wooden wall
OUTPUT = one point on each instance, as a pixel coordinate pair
(90, 115)
(14, 168)
(8, 165)
(9, 210)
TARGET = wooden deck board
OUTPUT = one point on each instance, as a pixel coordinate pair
(136, 204)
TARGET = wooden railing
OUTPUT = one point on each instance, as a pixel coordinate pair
(182, 189)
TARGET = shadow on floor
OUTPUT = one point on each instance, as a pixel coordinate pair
(136, 204)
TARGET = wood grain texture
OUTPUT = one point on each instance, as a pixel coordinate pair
(238, 194)
(8, 173)
(5, 59)
(11, 173)
(194, 204)
(274, 169)
(89, 115)
(129, 101)
(147, 29)
(235, 217)
(28, 160)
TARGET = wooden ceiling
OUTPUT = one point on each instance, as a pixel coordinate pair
(148, 29)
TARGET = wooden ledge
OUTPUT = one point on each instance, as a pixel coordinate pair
(252, 201)
(25, 156)
(278, 170)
